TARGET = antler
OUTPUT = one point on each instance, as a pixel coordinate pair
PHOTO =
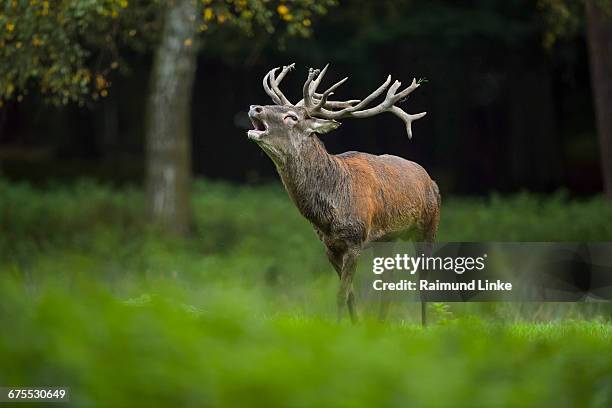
(318, 105)
(356, 108)
(271, 85)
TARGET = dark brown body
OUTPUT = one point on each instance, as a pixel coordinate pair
(356, 198)
(353, 198)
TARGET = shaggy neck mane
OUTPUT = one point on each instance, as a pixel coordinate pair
(314, 180)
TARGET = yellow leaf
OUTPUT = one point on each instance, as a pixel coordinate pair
(100, 82)
(208, 14)
(282, 9)
(188, 42)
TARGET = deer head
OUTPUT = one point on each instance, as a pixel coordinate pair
(281, 129)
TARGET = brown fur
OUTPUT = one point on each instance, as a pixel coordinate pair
(352, 198)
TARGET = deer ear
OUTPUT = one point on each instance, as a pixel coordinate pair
(322, 126)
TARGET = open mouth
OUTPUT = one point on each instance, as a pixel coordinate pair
(260, 128)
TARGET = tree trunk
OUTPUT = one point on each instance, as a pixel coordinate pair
(599, 34)
(168, 130)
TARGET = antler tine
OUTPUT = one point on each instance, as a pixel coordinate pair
(389, 101)
(329, 92)
(317, 81)
(381, 107)
(275, 82)
(340, 104)
(315, 101)
(269, 91)
(286, 69)
(365, 102)
(318, 101)
(388, 104)
(350, 105)
(407, 118)
(307, 92)
(332, 104)
(271, 85)
(413, 85)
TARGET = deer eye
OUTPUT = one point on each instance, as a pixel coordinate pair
(291, 116)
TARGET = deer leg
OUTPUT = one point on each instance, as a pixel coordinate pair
(335, 259)
(351, 305)
(426, 249)
(346, 294)
(385, 298)
(387, 276)
(429, 239)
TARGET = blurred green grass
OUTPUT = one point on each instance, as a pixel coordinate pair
(241, 313)
(151, 351)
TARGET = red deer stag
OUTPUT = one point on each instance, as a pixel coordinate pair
(351, 198)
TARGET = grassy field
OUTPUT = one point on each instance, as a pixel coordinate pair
(242, 314)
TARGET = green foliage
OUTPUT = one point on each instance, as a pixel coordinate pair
(67, 50)
(229, 351)
(526, 217)
(564, 18)
(249, 237)
(257, 223)
(241, 314)
(295, 15)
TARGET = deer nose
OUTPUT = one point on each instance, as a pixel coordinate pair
(255, 109)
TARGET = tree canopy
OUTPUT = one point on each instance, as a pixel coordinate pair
(67, 50)
(566, 17)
